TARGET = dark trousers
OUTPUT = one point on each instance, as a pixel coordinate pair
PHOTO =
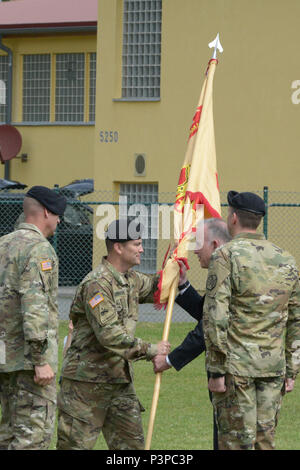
(215, 427)
(215, 430)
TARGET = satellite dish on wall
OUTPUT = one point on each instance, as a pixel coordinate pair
(10, 142)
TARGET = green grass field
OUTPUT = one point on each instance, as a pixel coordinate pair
(184, 413)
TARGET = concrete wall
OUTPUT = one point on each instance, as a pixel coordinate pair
(256, 121)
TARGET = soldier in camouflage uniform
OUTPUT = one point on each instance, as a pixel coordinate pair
(97, 392)
(252, 302)
(28, 324)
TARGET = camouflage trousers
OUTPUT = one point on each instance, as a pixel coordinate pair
(27, 418)
(85, 409)
(247, 412)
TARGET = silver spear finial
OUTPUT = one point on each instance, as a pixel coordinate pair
(217, 45)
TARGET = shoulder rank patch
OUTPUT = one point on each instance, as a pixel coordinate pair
(96, 300)
(211, 282)
(46, 265)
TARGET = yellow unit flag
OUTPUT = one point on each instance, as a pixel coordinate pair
(198, 195)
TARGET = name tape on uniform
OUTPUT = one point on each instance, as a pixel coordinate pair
(96, 300)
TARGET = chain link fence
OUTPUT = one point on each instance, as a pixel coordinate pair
(79, 238)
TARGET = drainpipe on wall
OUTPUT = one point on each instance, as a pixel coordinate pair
(8, 97)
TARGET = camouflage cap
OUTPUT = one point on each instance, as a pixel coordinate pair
(50, 199)
(249, 202)
(123, 230)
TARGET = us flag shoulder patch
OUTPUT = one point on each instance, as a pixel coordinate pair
(96, 300)
(46, 265)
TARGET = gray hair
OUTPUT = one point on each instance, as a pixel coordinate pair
(31, 206)
(217, 228)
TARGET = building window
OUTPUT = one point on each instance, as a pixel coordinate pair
(36, 87)
(141, 49)
(145, 194)
(3, 85)
(69, 95)
(92, 86)
(56, 96)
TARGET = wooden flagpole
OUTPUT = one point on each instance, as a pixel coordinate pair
(166, 331)
(217, 46)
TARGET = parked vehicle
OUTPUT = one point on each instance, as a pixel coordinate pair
(73, 240)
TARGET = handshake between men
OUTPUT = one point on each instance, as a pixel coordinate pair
(215, 234)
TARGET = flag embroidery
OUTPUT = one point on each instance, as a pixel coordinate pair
(46, 265)
(96, 300)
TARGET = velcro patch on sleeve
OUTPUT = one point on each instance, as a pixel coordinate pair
(46, 265)
(216, 278)
(96, 300)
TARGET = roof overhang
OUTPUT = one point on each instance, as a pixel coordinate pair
(48, 16)
(47, 29)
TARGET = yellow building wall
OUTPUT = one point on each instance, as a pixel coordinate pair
(57, 154)
(256, 121)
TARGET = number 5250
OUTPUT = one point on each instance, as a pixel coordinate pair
(109, 137)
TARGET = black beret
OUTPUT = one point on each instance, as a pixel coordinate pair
(248, 202)
(123, 230)
(50, 199)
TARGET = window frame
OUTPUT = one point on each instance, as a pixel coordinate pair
(5, 64)
(138, 52)
(35, 82)
(86, 91)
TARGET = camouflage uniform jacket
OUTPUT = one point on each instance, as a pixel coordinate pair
(104, 314)
(252, 300)
(28, 300)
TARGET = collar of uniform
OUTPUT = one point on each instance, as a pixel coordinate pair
(30, 227)
(119, 277)
(254, 236)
